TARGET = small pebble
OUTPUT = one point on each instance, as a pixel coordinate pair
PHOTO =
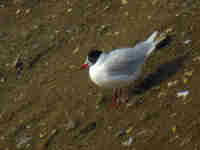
(183, 94)
(42, 135)
(196, 59)
(187, 41)
(69, 10)
(72, 67)
(28, 127)
(126, 13)
(18, 12)
(173, 115)
(75, 51)
(2, 80)
(172, 83)
(2, 6)
(35, 27)
(2, 138)
(128, 142)
(27, 11)
(124, 2)
(149, 17)
(116, 33)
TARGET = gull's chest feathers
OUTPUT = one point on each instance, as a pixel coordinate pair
(98, 74)
(101, 77)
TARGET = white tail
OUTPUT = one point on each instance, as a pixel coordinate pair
(154, 39)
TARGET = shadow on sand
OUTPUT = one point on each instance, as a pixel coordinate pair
(161, 74)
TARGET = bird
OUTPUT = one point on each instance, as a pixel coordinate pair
(120, 67)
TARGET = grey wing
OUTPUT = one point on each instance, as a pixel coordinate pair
(124, 61)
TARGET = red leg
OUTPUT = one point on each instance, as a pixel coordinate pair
(125, 95)
(118, 102)
(114, 96)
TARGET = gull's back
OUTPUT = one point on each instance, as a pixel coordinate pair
(126, 61)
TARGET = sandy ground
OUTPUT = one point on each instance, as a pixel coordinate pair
(45, 103)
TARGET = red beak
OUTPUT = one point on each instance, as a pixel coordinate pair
(83, 66)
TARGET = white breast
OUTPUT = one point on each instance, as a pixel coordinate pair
(100, 77)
